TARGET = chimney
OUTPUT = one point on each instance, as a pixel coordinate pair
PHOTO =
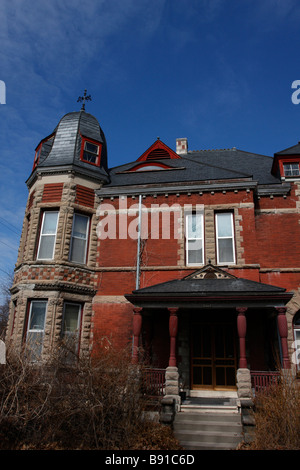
(181, 145)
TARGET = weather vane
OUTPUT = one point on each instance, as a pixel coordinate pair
(84, 98)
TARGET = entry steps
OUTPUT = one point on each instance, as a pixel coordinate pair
(209, 424)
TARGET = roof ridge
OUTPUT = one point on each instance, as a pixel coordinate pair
(212, 150)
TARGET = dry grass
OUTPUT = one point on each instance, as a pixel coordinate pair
(277, 417)
(95, 404)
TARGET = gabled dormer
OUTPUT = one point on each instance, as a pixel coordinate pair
(286, 163)
(158, 151)
(156, 157)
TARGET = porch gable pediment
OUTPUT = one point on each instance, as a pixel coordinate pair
(209, 272)
(210, 286)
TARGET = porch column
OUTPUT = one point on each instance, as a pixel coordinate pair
(242, 327)
(173, 328)
(137, 326)
(283, 332)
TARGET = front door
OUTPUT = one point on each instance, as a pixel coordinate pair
(213, 356)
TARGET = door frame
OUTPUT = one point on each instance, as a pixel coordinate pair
(196, 325)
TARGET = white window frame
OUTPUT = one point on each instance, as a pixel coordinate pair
(86, 238)
(296, 332)
(90, 153)
(30, 331)
(232, 237)
(47, 235)
(287, 167)
(76, 333)
(188, 238)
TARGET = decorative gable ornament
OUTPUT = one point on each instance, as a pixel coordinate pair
(209, 272)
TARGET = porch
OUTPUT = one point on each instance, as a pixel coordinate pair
(207, 331)
(154, 383)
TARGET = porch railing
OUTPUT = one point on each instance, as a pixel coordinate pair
(154, 382)
(262, 380)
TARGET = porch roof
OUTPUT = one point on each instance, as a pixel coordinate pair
(210, 287)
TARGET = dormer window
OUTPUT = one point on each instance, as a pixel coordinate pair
(150, 167)
(90, 152)
(37, 156)
(291, 169)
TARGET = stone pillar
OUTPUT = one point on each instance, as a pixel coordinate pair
(172, 375)
(137, 326)
(173, 329)
(283, 332)
(242, 327)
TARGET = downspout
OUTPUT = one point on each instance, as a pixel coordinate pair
(137, 281)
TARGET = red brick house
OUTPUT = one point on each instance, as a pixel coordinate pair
(193, 257)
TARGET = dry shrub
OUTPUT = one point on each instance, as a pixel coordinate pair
(277, 416)
(95, 403)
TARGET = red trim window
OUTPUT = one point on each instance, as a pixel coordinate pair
(90, 151)
(39, 149)
(37, 155)
(291, 169)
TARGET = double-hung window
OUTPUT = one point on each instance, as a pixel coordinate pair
(71, 328)
(47, 235)
(291, 169)
(79, 240)
(35, 328)
(194, 239)
(296, 325)
(90, 151)
(225, 238)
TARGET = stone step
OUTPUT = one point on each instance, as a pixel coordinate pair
(208, 446)
(218, 437)
(208, 415)
(210, 409)
(183, 425)
(208, 424)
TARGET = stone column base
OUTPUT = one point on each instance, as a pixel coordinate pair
(244, 391)
(172, 386)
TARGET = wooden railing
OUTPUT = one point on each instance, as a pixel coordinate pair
(262, 380)
(154, 382)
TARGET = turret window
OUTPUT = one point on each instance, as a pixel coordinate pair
(47, 235)
(90, 152)
(79, 240)
(71, 329)
(35, 328)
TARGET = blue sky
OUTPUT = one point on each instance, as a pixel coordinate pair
(218, 72)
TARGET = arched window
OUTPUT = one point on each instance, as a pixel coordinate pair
(296, 325)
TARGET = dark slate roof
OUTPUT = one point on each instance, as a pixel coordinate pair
(199, 166)
(208, 286)
(210, 290)
(62, 149)
(294, 150)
